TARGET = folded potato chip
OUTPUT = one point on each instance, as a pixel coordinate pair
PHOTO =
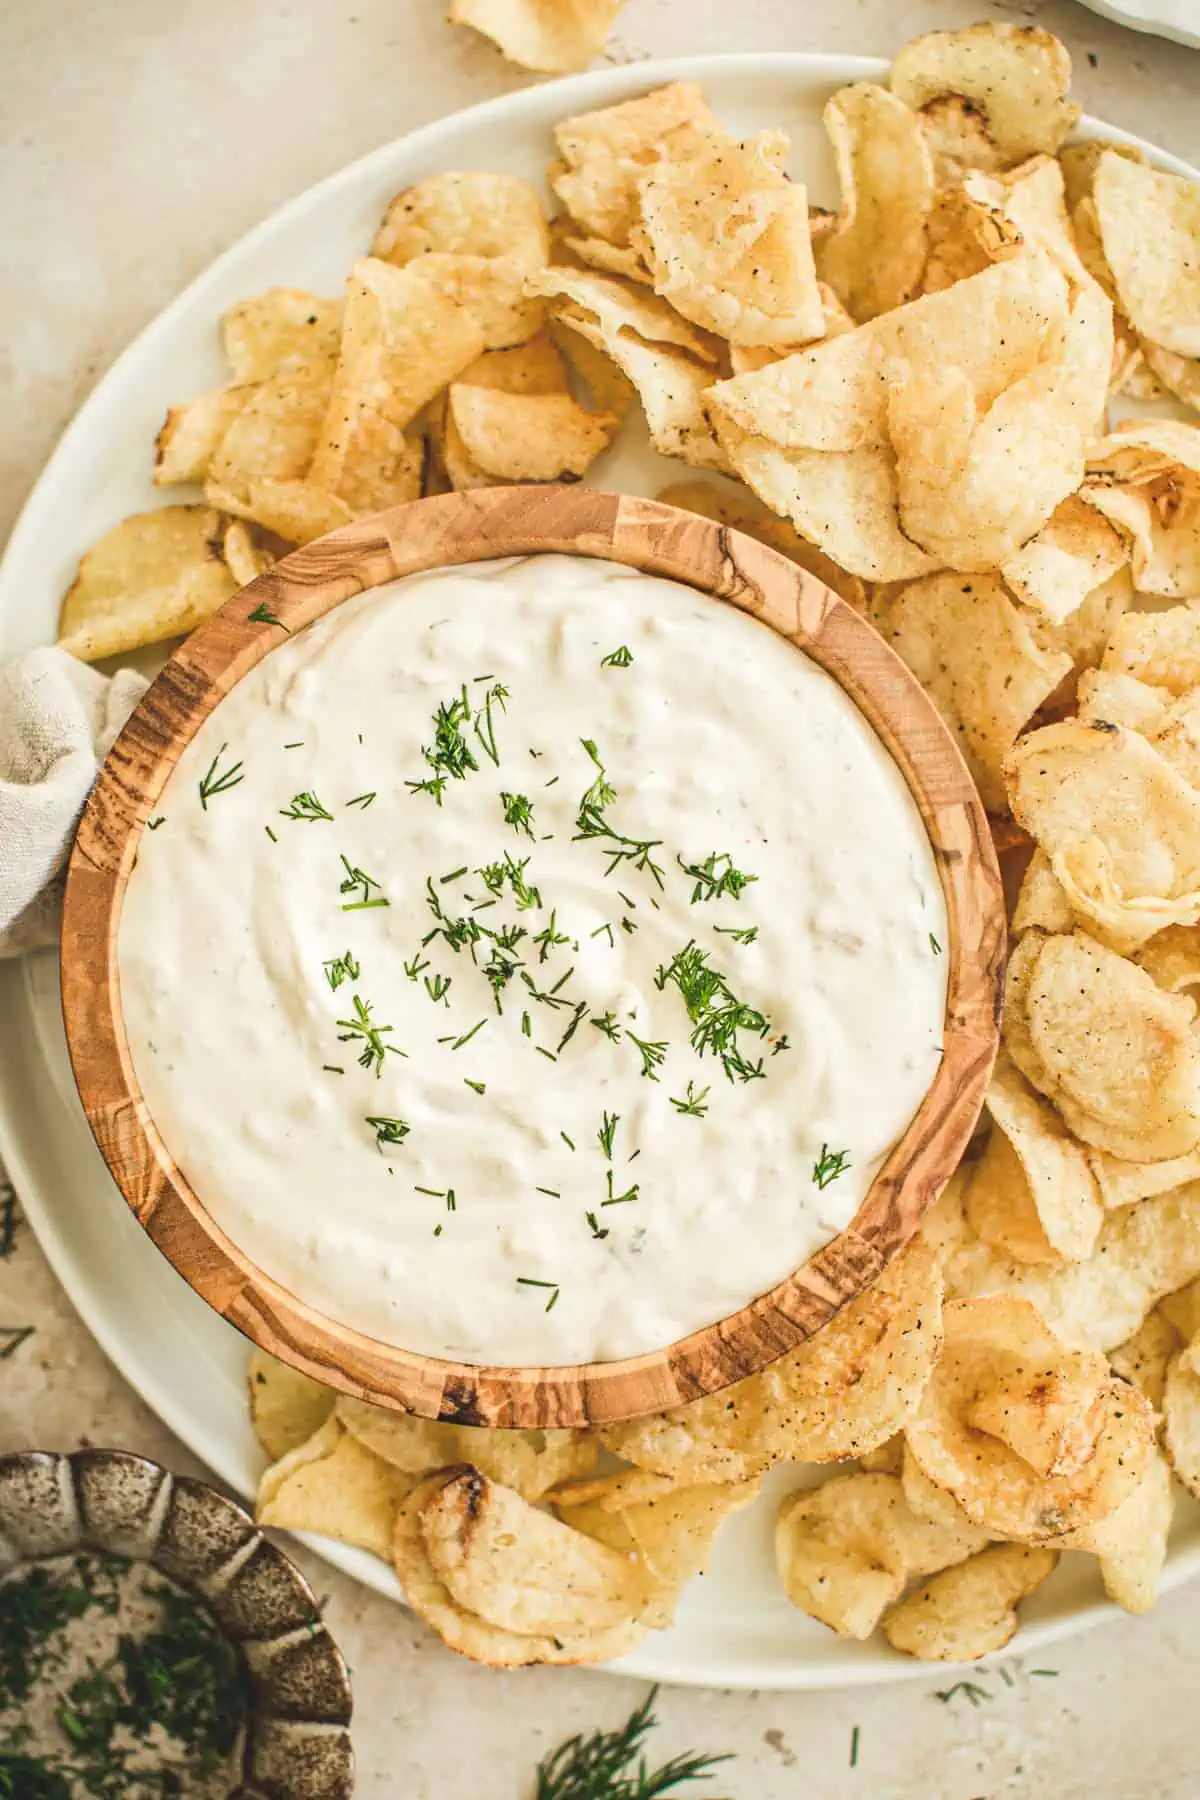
(287, 1408)
(465, 213)
(1126, 1183)
(874, 256)
(1150, 225)
(245, 554)
(614, 307)
(296, 511)
(1145, 1357)
(958, 140)
(725, 236)
(1145, 479)
(155, 575)
(1179, 375)
(1075, 552)
(1017, 76)
(273, 435)
(1030, 1438)
(846, 1550)
(605, 153)
(465, 1631)
(1079, 162)
(968, 230)
(282, 326)
(1041, 904)
(977, 656)
(845, 1391)
(1181, 1308)
(549, 36)
(528, 1462)
(1119, 824)
(1161, 649)
(1032, 1193)
(611, 259)
(743, 511)
(333, 1485)
(670, 385)
(527, 437)
(971, 1609)
(1131, 1543)
(192, 432)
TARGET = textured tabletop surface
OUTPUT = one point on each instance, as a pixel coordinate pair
(139, 140)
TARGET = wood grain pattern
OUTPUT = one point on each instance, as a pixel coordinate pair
(460, 528)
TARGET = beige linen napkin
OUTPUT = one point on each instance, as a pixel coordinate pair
(58, 719)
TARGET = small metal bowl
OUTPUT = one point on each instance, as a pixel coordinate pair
(297, 1684)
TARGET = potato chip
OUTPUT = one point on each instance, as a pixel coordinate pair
(958, 140)
(971, 1609)
(1016, 75)
(847, 1389)
(1080, 161)
(958, 499)
(401, 343)
(874, 258)
(670, 385)
(465, 213)
(887, 1459)
(1005, 1390)
(333, 1485)
(1143, 1358)
(611, 259)
(604, 154)
(1042, 904)
(1181, 1308)
(272, 436)
(1181, 1415)
(968, 229)
(490, 288)
(976, 655)
(296, 511)
(1120, 825)
(523, 1570)
(528, 437)
(931, 1502)
(743, 511)
(1144, 1253)
(153, 576)
(246, 557)
(1126, 1183)
(1033, 197)
(287, 1408)
(1074, 552)
(192, 432)
(1179, 375)
(278, 328)
(528, 1462)
(1116, 1055)
(845, 1550)
(1105, 697)
(1131, 1543)
(1145, 479)
(1150, 226)
(535, 367)
(1032, 1192)
(1159, 648)
(725, 236)
(549, 36)
(617, 308)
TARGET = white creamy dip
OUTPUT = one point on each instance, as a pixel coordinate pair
(427, 1151)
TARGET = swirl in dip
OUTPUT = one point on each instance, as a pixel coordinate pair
(533, 962)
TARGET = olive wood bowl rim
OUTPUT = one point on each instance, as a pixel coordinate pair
(456, 529)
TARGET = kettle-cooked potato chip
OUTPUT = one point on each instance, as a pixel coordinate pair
(1145, 1357)
(153, 576)
(465, 213)
(1119, 1058)
(297, 511)
(528, 1462)
(845, 1550)
(1032, 1192)
(1004, 1391)
(1145, 479)
(1075, 552)
(528, 437)
(958, 140)
(550, 36)
(1119, 823)
(1042, 904)
(491, 288)
(333, 1485)
(287, 1408)
(1131, 1543)
(272, 436)
(282, 326)
(604, 154)
(244, 552)
(1079, 162)
(191, 433)
(874, 257)
(1181, 1414)
(1126, 1183)
(1150, 225)
(1179, 375)
(1161, 649)
(1016, 75)
(971, 1609)
(968, 229)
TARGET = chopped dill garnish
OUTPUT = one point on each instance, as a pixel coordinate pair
(518, 811)
(498, 971)
(611, 1765)
(154, 823)
(629, 926)
(262, 615)
(625, 1199)
(305, 806)
(553, 1192)
(296, 744)
(387, 1131)
(362, 1027)
(451, 1201)
(569, 1142)
(363, 800)
(526, 1026)
(332, 1069)
(550, 938)
(608, 1024)
(934, 945)
(573, 1027)
(590, 823)
(601, 793)
(454, 875)
(652, 1054)
(548, 1054)
(712, 881)
(449, 756)
(12, 1337)
(437, 987)
(468, 1035)
(854, 1748)
(413, 969)
(213, 783)
(970, 1690)
(8, 1216)
(607, 1132)
(611, 939)
(717, 1015)
(270, 834)
(597, 1230)
(495, 876)
(434, 1193)
(741, 934)
(480, 1087)
(551, 999)
(359, 882)
(485, 729)
(341, 968)
(829, 1165)
(552, 1286)
(694, 1104)
(782, 1042)
(617, 659)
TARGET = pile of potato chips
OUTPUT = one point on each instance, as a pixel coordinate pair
(911, 398)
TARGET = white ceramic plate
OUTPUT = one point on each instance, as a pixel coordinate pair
(735, 1628)
(1178, 20)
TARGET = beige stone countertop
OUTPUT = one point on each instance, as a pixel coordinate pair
(139, 139)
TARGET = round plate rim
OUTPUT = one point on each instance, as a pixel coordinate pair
(877, 1666)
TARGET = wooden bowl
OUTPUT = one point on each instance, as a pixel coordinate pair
(470, 527)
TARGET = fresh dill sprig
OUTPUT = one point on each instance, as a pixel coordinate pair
(12, 1337)
(741, 934)
(694, 1104)
(714, 881)
(387, 1131)
(553, 999)
(934, 945)
(154, 823)
(611, 1765)
(262, 615)
(607, 1132)
(508, 872)
(550, 938)
(573, 1027)
(716, 1014)
(305, 806)
(358, 882)
(617, 659)
(498, 971)
(341, 968)
(601, 793)
(413, 969)
(449, 756)
(598, 1231)
(437, 987)
(625, 1199)
(590, 823)
(529, 1281)
(363, 1028)
(518, 811)
(829, 1165)
(611, 939)
(213, 783)
(485, 729)
(466, 1037)
(363, 800)
(653, 1054)
(608, 1024)
(782, 1042)
(569, 1142)
(480, 1087)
